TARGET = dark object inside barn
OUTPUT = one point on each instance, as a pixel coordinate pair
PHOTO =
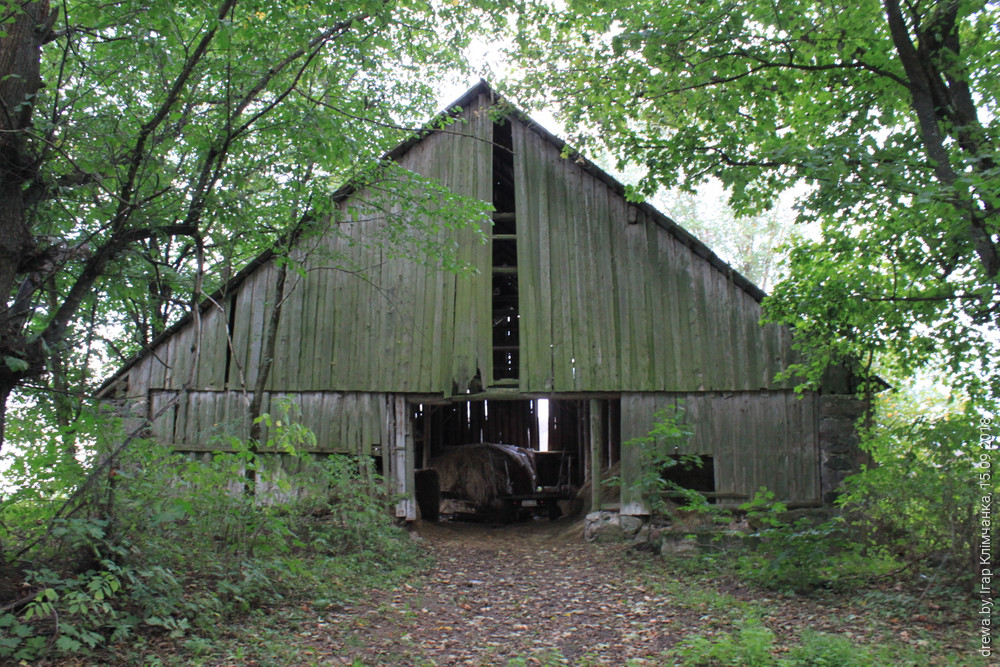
(545, 455)
(487, 476)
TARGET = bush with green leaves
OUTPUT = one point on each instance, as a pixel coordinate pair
(801, 553)
(173, 544)
(920, 501)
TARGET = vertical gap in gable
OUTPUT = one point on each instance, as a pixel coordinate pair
(506, 310)
(230, 329)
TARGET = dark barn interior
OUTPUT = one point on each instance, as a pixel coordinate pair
(489, 439)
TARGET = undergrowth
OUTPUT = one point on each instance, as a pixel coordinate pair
(156, 544)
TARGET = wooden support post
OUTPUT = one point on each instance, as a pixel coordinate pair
(631, 460)
(596, 446)
(632, 503)
(402, 460)
(428, 432)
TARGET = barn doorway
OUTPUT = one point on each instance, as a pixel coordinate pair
(503, 460)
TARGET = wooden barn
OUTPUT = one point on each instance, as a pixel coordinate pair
(586, 315)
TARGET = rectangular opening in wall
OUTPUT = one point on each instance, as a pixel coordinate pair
(488, 459)
(696, 473)
(506, 311)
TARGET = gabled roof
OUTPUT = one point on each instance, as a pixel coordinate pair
(480, 89)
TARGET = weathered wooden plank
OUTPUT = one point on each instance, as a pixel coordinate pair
(162, 413)
(635, 412)
(558, 298)
(139, 377)
(535, 326)
(303, 371)
(741, 371)
(635, 347)
(531, 196)
(662, 334)
(285, 372)
(402, 460)
(608, 302)
(354, 321)
(425, 304)
(216, 375)
(387, 331)
(593, 317)
(480, 186)
(656, 335)
(779, 446)
(186, 428)
(316, 352)
(720, 343)
(428, 325)
(728, 452)
(806, 443)
(242, 307)
(772, 347)
(702, 324)
(251, 316)
(784, 355)
(625, 266)
(596, 447)
(690, 368)
(569, 287)
(603, 313)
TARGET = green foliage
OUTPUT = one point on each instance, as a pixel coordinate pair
(170, 142)
(789, 553)
(176, 545)
(753, 245)
(921, 499)
(751, 646)
(754, 645)
(820, 649)
(73, 607)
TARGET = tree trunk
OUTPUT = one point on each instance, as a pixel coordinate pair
(20, 79)
(945, 109)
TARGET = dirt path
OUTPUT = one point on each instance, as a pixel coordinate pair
(537, 594)
(499, 593)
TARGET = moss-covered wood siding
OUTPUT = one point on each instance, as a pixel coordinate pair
(613, 301)
(344, 422)
(356, 315)
(764, 438)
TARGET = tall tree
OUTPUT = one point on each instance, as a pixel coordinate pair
(887, 110)
(146, 144)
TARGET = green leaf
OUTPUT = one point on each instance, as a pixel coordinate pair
(68, 645)
(16, 364)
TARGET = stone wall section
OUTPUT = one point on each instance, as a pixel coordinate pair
(839, 441)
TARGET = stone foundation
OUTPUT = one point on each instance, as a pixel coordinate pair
(839, 443)
(681, 536)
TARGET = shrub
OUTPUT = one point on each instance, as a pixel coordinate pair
(921, 499)
(173, 544)
(657, 454)
(801, 554)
